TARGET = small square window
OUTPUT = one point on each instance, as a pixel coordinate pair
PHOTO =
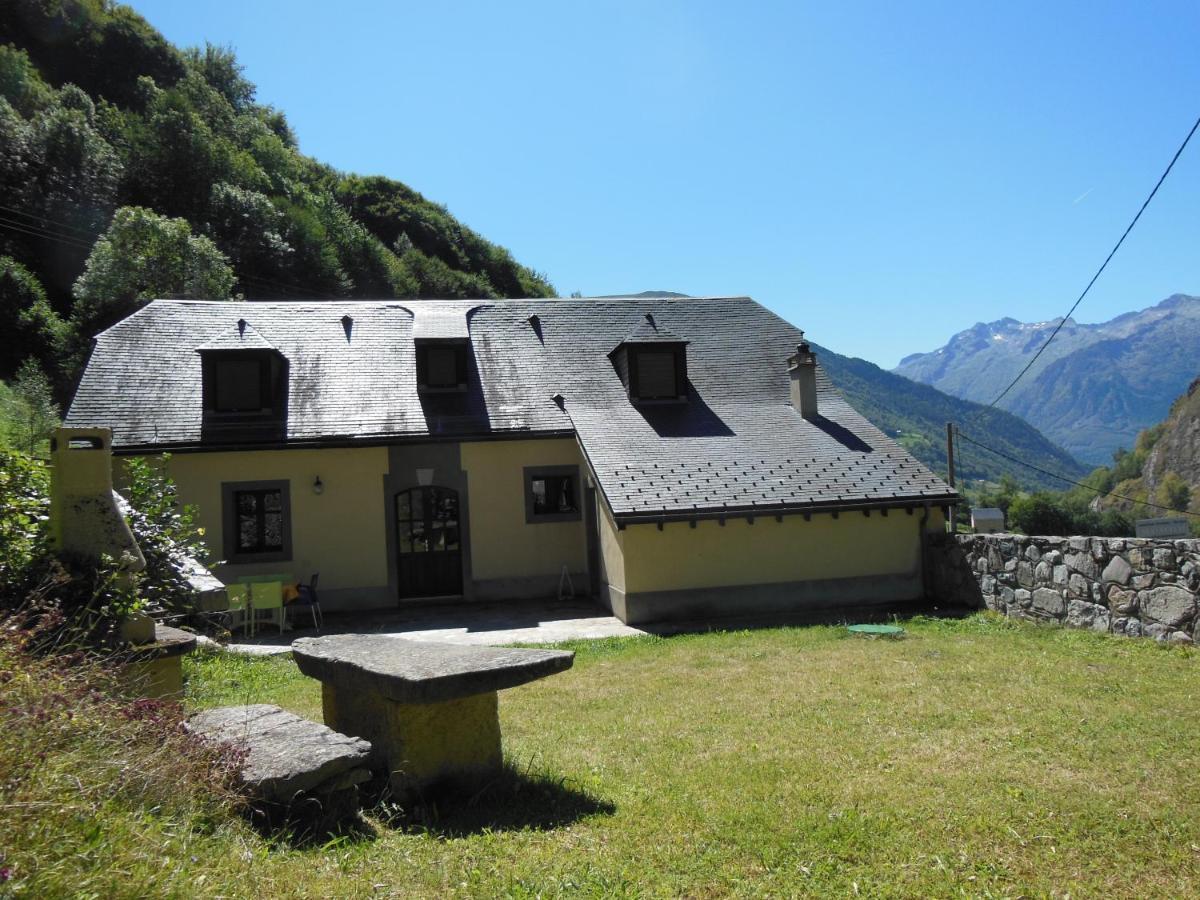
(656, 375)
(239, 385)
(552, 494)
(257, 518)
(442, 367)
(243, 384)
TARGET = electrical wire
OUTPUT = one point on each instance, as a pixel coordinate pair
(44, 219)
(39, 231)
(1096, 491)
(1103, 266)
(10, 225)
(65, 235)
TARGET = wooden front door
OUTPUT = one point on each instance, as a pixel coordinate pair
(429, 542)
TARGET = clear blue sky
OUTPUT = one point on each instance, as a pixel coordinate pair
(883, 175)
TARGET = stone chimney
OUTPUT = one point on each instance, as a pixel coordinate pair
(84, 518)
(803, 369)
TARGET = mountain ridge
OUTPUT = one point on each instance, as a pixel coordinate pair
(1095, 387)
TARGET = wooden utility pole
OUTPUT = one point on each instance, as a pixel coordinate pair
(950, 451)
(952, 525)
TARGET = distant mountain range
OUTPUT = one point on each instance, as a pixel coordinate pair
(1096, 386)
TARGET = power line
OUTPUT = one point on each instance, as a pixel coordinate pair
(1096, 491)
(38, 231)
(48, 232)
(40, 220)
(9, 225)
(1103, 266)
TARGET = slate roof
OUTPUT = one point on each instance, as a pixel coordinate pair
(737, 445)
(650, 331)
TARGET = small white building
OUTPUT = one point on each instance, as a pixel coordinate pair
(1164, 528)
(987, 519)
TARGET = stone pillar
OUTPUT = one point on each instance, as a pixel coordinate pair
(84, 519)
(420, 744)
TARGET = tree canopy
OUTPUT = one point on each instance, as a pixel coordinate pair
(132, 169)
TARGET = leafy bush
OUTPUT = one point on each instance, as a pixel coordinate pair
(166, 533)
(1066, 513)
(82, 602)
(24, 518)
(142, 256)
(28, 412)
(29, 325)
(1040, 513)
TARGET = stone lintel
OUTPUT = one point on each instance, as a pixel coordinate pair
(415, 672)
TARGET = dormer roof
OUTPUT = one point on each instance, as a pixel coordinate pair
(650, 330)
(237, 334)
(442, 321)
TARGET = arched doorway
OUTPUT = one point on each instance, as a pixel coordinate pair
(428, 542)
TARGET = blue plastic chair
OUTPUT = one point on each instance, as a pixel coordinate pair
(308, 597)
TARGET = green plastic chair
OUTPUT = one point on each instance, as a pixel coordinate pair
(267, 596)
(239, 602)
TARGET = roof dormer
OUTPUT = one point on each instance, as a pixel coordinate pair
(652, 363)
(442, 341)
(243, 386)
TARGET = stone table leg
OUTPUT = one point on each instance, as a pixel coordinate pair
(420, 743)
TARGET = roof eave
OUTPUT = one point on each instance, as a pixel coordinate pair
(783, 509)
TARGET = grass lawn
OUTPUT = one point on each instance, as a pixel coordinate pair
(976, 757)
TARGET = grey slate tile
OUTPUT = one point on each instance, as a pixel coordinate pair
(736, 444)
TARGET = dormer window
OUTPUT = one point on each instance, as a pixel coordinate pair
(656, 373)
(442, 366)
(244, 396)
(652, 364)
(243, 383)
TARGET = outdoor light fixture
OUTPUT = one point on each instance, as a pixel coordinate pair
(318, 486)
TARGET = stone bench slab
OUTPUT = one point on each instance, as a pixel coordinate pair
(420, 671)
(286, 756)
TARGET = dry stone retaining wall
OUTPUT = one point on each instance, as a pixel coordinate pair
(1128, 586)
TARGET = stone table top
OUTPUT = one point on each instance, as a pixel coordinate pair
(285, 754)
(421, 671)
(168, 641)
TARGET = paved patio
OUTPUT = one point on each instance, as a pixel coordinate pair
(511, 622)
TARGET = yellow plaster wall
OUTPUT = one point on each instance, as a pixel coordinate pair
(712, 555)
(612, 548)
(502, 544)
(339, 533)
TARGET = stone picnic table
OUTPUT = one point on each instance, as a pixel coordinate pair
(430, 710)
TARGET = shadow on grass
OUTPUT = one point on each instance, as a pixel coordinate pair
(511, 800)
(307, 825)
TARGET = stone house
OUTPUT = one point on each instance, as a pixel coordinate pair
(676, 457)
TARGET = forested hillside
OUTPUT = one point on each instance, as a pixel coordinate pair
(1164, 466)
(916, 415)
(130, 169)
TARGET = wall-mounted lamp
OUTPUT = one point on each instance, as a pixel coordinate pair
(318, 486)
